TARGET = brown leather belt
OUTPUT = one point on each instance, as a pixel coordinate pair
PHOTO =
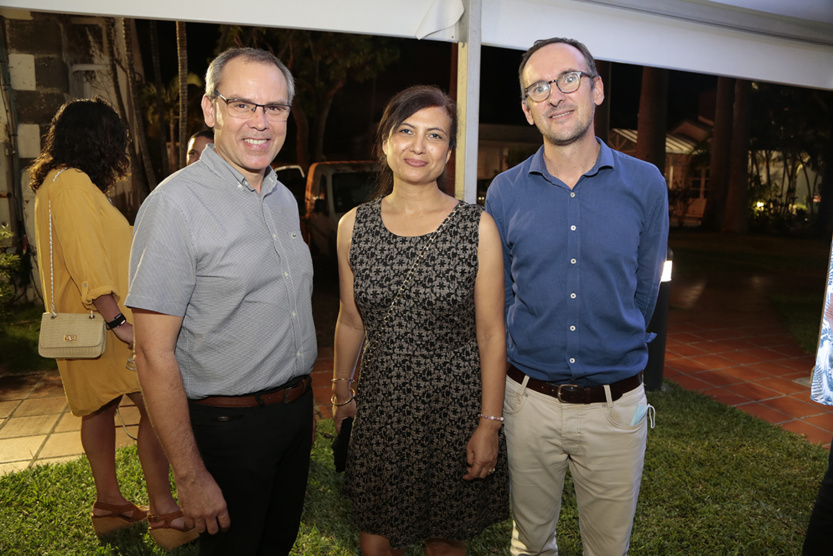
(573, 393)
(285, 395)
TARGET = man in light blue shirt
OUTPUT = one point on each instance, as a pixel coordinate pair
(220, 286)
(584, 232)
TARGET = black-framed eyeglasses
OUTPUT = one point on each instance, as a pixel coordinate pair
(244, 108)
(567, 83)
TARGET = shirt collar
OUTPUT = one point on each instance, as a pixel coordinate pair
(221, 167)
(603, 160)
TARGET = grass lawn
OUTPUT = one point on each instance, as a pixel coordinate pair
(716, 482)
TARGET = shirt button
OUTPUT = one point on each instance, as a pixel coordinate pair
(286, 275)
(572, 360)
(293, 314)
(572, 329)
(572, 296)
(298, 354)
(274, 236)
(573, 228)
(572, 261)
(572, 194)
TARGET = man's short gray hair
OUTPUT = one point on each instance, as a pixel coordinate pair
(213, 76)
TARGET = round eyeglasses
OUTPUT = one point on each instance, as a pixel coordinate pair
(244, 109)
(566, 82)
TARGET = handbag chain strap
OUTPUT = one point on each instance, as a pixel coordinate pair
(370, 348)
(51, 267)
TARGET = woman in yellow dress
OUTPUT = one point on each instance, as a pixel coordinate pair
(85, 153)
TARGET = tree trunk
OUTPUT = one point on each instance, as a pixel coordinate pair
(736, 219)
(653, 117)
(321, 121)
(601, 122)
(721, 145)
(824, 223)
(139, 122)
(182, 59)
(160, 104)
(114, 68)
(301, 135)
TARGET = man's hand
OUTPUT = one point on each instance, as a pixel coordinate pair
(203, 504)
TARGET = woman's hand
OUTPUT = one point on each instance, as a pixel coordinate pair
(342, 412)
(125, 333)
(482, 450)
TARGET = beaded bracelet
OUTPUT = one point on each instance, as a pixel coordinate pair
(490, 417)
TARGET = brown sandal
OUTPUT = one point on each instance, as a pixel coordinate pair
(166, 535)
(103, 524)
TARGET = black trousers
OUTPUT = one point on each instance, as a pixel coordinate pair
(259, 457)
(819, 539)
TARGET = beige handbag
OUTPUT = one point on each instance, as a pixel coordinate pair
(69, 335)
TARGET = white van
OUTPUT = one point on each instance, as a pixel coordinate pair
(334, 188)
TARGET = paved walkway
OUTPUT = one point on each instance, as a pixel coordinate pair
(724, 340)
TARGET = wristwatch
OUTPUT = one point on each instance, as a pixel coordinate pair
(117, 321)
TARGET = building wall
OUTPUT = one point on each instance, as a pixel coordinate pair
(50, 59)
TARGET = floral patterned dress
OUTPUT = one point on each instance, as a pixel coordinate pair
(418, 400)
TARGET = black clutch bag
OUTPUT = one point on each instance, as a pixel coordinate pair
(341, 443)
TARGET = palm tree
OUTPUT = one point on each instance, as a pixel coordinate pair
(128, 26)
(182, 59)
(160, 103)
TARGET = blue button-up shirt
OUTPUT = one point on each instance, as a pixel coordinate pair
(582, 266)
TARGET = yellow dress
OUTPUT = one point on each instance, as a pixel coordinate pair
(90, 251)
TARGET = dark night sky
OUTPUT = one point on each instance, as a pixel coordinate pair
(358, 106)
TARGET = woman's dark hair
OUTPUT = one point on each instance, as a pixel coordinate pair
(86, 134)
(404, 105)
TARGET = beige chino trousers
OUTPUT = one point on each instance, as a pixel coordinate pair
(602, 444)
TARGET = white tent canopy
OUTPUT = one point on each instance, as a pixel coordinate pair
(788, 42)
(780, 41)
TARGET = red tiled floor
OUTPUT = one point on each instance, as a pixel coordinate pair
(813, 434)
(766, 413)
(725, 341)
(687, 350)
(712, 361)
(690, 383)
(753, 391)
(717, 378)
(796, 408)
(752, 355)
(823, 422)
(748, 373)
(724, 396)
(783, 385)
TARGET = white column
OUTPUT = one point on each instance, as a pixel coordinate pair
(468, 101)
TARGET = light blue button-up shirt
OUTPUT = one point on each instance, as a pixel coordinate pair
(231, 262)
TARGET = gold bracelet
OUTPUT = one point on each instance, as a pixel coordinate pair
(334, 400)
(350, 380)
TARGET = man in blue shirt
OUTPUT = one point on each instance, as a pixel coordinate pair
(584, 232)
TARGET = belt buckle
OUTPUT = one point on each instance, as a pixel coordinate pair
(569, 388)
